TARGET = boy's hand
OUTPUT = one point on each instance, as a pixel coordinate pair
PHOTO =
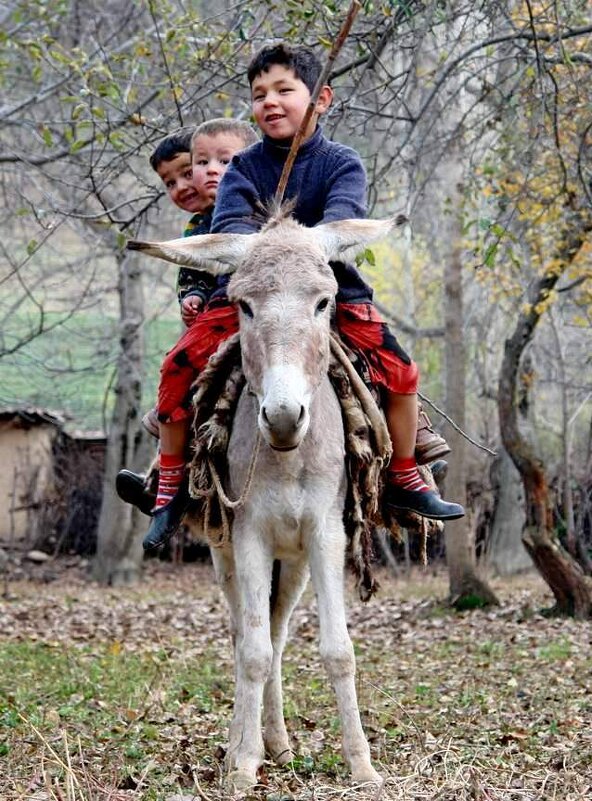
(190, 308)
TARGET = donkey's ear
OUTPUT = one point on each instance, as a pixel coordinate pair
(214, 253)
(346, 238)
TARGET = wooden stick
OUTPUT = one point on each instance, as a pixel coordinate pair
(299, 136)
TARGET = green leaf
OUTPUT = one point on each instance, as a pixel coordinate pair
(77, 145)
(31, 246)
(489, 259)
(77, 110)
(370, 257)
(121, 240)
(47, 137)
(60, 57)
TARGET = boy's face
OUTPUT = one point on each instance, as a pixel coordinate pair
(177, 176)
(211, 156)
(280, 100)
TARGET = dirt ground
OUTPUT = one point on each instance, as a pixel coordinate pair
(487, 705)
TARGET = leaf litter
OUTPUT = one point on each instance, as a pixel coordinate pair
(122, 695)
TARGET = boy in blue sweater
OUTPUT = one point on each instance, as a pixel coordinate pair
(328, 183)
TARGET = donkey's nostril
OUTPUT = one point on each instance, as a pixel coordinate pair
(264, 415)
(301, 416)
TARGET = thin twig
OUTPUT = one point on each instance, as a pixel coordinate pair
(51, 750)
(425, 399)
(299, 136)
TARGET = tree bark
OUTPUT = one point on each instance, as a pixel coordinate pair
(570, 586)
(506, 553)
(118, 560)
(467, 589)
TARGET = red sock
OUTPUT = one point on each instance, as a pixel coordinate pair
(404, 473)
(171, 472)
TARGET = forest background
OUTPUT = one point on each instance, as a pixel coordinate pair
(472, 118)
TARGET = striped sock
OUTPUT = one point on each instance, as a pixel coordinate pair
(403, 473)
(172, 470)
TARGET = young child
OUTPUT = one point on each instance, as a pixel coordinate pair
(190, 162)
(329, 183)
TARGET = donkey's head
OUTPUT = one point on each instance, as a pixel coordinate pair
(285, 290)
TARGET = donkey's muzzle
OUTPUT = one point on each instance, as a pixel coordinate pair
(283, 424)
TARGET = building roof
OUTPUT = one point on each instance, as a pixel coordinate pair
(35, 416)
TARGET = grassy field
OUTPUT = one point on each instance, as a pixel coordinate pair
(128, 695)
(71, 368)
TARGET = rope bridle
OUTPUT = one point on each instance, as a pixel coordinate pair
(216, 489)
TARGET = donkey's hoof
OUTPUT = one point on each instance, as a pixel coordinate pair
(239, 780)
(283, 757)
(366, 775)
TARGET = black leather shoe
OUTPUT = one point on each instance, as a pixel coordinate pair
(131, 488)
(427, 504)
(167, 519)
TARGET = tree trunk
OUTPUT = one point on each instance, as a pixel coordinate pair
(570, 586)
(466, 588)
(505, 552)
(118, 559)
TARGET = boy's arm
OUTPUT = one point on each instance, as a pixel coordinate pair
(236, 203)
(346, 188)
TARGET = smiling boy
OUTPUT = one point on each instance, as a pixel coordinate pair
(327, 183)
(190, 162)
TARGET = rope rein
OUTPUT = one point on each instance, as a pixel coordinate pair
(240, 501)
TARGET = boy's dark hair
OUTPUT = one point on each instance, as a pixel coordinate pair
(171, 146)
(240, 128)
(299, 58)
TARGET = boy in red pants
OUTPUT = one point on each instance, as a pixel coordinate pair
(190, 162)
(328, 183)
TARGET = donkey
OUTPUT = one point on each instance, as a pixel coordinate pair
(285, 290)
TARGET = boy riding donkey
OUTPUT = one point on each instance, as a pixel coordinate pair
(327, 183)
(190, 163)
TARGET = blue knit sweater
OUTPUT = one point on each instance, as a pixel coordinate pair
(328, 181)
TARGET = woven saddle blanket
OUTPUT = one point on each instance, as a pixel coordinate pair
(367, 444)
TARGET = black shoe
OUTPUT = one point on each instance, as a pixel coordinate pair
(427, 504)
(131, 488)
(167, 519)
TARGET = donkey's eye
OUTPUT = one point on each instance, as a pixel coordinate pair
(245, 308)
(322, 305)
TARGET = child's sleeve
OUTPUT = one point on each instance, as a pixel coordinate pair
(346, 187)
(194, 282)
(236, 203)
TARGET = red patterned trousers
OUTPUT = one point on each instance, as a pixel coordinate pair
(360, 325)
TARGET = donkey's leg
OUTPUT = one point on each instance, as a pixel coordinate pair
(292, 580)
(326, 564)
(223, 561)
(253, 564)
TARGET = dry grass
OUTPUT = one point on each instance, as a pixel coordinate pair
(110, 695)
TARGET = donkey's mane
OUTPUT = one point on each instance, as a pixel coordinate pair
(271, 214)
